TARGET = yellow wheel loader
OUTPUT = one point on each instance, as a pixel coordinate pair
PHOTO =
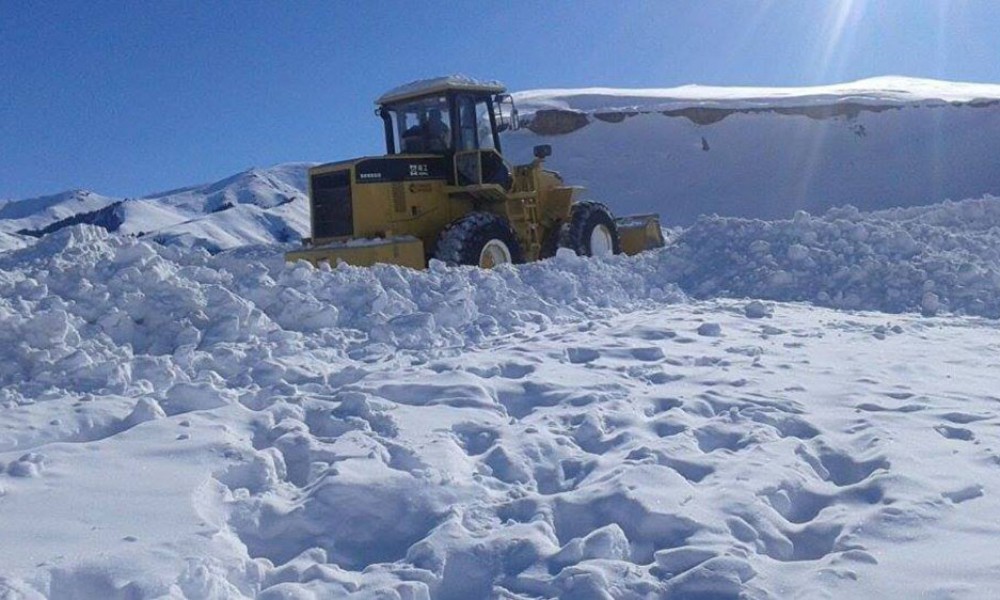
(443, 190)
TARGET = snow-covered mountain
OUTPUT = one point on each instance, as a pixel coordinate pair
(257, 206)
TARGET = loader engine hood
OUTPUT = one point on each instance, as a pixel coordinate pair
(334, 188)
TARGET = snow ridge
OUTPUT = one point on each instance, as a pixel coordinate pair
(941, 257)
(257, 206)
(875, 91)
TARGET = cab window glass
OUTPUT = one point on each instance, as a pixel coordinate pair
(422, 126)
(483, 123)
(468, 127)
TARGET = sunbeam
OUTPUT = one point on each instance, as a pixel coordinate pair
(837, 38)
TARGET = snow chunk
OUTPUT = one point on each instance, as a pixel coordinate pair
(756, 310)
(427, 86)
(186, 397)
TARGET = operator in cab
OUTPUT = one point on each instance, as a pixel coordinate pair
(431, 135)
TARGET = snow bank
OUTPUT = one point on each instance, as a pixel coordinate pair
(116, 298)
(941, 257)
(765, 153)
(81, 302)
(878, 91)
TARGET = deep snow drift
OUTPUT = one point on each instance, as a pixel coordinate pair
(180, 424)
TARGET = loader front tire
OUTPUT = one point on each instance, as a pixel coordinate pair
(479, 239)
(591, 231)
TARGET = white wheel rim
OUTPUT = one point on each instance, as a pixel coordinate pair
(600, 241)
(494, 253)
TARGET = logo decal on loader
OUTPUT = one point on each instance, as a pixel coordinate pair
(391, 169)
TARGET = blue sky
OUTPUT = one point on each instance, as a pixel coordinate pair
(129, 98)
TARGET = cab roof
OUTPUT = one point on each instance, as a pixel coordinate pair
(437, 85)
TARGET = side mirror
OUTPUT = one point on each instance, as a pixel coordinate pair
(510, 120)
(542, 151)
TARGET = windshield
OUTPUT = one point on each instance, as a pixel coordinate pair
(421, 126)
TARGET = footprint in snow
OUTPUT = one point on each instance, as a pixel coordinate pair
(29, 465)
(582, 355)
(713, 437)
(648, 354)
(650, 334)
(955, 433)
(799, 505)
(964, 418)
(667, 428)
(710, 330)
(475, 439)
(964, 494)
(840, 468)
(873, 407)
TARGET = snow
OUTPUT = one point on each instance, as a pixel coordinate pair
(873, 91)
(257, 206)
(35, 213)
(796, 407)
(420, 86)
(231, 427)
(765, 153)
(10, 241)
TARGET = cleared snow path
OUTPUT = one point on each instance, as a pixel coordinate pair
(177, 424)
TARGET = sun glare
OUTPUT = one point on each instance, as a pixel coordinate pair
(838, 36)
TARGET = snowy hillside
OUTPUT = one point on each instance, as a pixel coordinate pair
(767, 152)
(258, 206)
(10, 241)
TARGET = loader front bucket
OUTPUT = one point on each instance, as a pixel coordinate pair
(638, 233)
(404, 251)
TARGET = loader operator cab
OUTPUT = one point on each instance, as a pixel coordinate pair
(457, 119)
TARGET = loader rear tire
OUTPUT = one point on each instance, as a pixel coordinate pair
(479, 239)
(591, 231)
